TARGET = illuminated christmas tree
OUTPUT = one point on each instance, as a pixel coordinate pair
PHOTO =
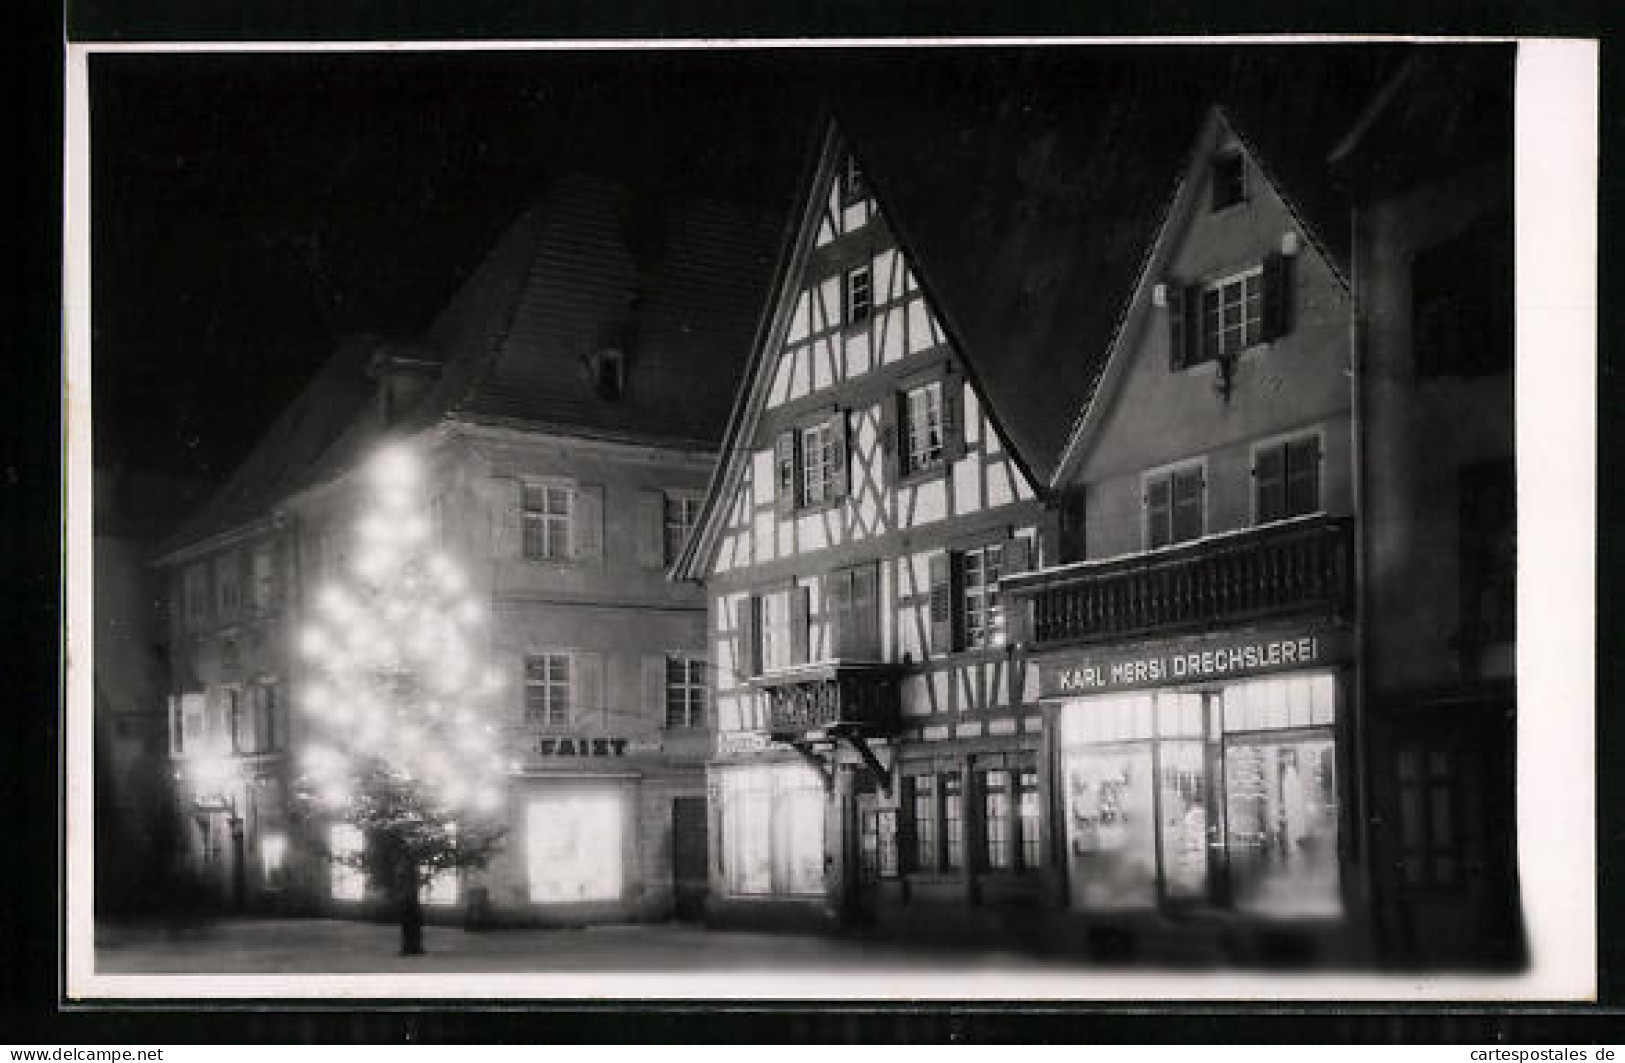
(400, 703)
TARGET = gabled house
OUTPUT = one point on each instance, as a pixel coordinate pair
(879, 744)
(566, 405)
(1194, 639)
(1428, 168)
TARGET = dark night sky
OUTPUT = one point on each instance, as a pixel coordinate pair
(252, 210)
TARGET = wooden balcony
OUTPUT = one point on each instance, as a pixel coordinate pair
(1295, 568)
(849, 699)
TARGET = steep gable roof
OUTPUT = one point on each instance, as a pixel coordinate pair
(678, 289)
(280, 462)
(1180, 208)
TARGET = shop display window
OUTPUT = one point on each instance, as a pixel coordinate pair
(1111, 837)
(772, 830)
(347, 882)
(573, 847)
(1222, 798)
(1281, 800)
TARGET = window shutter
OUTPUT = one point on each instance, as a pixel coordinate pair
(652, 529)
(944, 598)
(587, 523)
(953, 416)
(1302, 487)
(839, 455)
(1015, 556)
(864, 613)
(1277, 310)
(586, 686)
(1269, 481)
(891, 448)
(1177, 339)
(750, 636)
(800, 624)
(838, 609)
(654, 688)
(1204, 342)
(1187, 505)
(508, 526)
(784, 460)
(1157, 511)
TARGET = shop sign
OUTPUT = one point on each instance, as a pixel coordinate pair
(730, 743)
(595, 747)
(1191, 661)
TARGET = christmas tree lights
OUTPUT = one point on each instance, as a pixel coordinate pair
(400, 705)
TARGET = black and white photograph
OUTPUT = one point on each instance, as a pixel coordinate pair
(1017, 519)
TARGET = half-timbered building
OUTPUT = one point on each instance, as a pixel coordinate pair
(879, 743)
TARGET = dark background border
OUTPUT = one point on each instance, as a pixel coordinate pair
(30, 486)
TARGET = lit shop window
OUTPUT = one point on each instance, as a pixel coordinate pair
(1144, 777)
(344, 842)
(773, 830)
(273, 859)
(573, 847)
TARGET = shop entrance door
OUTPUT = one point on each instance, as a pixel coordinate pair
(688, 856)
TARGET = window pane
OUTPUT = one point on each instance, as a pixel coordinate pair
(1184, 820)
(995, 817)
(1281, 805)
(953, 823)
(1027, 821)
(925, 822)
(1109, 827)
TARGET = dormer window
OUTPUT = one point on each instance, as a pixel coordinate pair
(853, 185)
(1229, 178)
(608, 369)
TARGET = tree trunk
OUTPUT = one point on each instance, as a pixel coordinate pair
(411, 913)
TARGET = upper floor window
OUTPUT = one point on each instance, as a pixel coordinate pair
(256, 725)
(265, 581)
(853, 185)
(777, 634)
(964, 607)
(680, 513)
(1175, 506)
(195, 584)
(984, 619)
(857, 295)
(1229, 180)
(548, 513)
(1232, 313)
(922, 428)
(1222, 317)
(228, 582)
(548, 686)
(685, 691)
(816, 465)
(811, 463)
(1286, 479)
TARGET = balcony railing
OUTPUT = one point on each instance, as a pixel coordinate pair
(1294, 568)
(833, 697)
